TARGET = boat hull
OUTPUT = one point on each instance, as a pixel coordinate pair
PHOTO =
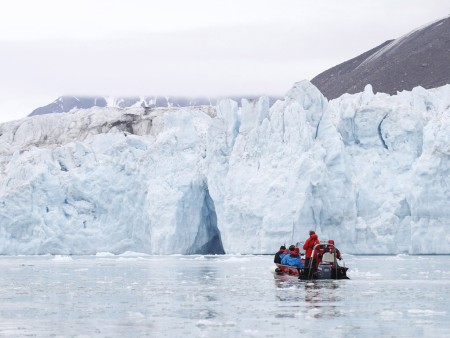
(323, 271)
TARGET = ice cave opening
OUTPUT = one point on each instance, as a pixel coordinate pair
(208, 240)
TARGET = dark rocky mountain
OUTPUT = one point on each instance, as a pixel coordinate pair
(65, 104)
(420, 58)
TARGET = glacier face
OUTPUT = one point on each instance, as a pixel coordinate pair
(370, 171)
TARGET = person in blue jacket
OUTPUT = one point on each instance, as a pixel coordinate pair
(293, 259)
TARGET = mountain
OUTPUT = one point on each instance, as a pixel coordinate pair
(65, 104)
(420, 58)
(371, 171)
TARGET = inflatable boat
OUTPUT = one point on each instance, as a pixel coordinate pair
(327, 266)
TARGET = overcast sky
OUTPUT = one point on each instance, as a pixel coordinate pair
(50, 48)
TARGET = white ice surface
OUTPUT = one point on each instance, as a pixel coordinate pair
(370, 171)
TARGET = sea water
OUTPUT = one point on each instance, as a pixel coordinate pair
(220, 296)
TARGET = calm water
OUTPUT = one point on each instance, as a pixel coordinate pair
(221, 296)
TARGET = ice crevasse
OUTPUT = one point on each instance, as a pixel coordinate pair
(370, 171)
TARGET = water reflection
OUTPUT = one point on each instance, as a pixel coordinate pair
(186, 296)
(286, 282)
(196, 294)
(317, 299)
(322, 299)
(321, 291)
(205, 274)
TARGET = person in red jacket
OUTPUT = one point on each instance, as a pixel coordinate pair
(331, 248)
(308, 247)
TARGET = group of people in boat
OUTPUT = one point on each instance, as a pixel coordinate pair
(292, 255)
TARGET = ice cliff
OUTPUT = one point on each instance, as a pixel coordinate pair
(370, 171)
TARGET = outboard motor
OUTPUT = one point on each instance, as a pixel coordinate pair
(324, 271)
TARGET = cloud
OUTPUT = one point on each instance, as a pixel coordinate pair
(187, 48)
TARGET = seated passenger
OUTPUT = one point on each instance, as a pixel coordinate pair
(279, 255)
(331, 249)
(291, 249)
(293, 259)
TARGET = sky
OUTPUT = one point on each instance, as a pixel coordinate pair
(50, 48)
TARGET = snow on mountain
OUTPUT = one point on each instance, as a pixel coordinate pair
(370, 171)
(65, 104)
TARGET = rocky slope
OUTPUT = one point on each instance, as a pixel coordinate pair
(420, 58)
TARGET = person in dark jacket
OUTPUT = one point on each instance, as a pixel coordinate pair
(293, 259)
(308, 247)
(279, 255)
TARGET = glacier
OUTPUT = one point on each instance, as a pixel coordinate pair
(371, 171)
